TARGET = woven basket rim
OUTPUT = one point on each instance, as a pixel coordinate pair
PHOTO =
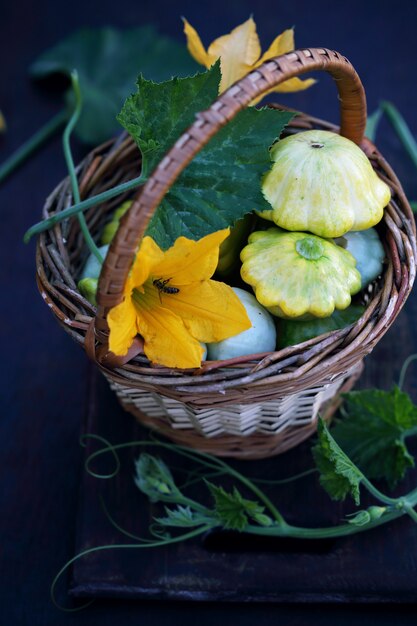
(302, 373)
(321, 358)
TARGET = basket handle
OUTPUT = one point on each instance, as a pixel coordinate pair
(271, 73)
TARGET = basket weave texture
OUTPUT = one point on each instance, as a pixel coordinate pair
(252, 406)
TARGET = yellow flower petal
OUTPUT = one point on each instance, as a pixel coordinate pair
(238, 52)
(210, 310)
(2, 123)
(195, 47)
(149, 255)
(123, 326)
(281, 44)
(173, 318)
(188, 261)
(167, 340)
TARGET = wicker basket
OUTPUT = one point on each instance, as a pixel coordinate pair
(248, 407)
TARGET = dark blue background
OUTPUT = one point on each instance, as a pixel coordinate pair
(44, 375)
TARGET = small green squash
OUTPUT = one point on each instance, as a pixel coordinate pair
(261, 337)
(366, 247)
(92, 267)
(322, 183)
(293, 332)
(298, 275)
(88, 288)
(89, 276)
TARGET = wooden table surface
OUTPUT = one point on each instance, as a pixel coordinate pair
(44, 375)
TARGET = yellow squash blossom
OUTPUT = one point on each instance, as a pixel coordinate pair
(171, 301)
(240, 52)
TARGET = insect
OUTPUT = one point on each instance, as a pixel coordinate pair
(162, 287)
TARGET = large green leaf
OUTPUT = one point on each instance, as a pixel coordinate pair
(339, 476)
(374, 430)
(157, 114)
(108, 62)
(223, 181)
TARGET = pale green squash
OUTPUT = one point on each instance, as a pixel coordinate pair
(322, 183)
(261, 337)
(89, 276)
(366, 247)
(92, 267)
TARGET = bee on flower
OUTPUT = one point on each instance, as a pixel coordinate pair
(171, 301)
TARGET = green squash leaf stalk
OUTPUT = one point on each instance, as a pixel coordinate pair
(339, 475)
(71, 168)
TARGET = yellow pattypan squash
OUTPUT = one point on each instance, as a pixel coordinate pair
(298, 275)
(322, 183)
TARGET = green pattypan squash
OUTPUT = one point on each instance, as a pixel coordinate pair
(322, 183)
(292, 332)
(111, 227)
(298, 274)
(261, 337)
(366, 247)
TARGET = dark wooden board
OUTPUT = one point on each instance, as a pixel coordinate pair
(43, 375)
(379, 566)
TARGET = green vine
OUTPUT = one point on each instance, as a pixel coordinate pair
(158, 485)
(186, 518)
(82, 206)
(70, 164)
